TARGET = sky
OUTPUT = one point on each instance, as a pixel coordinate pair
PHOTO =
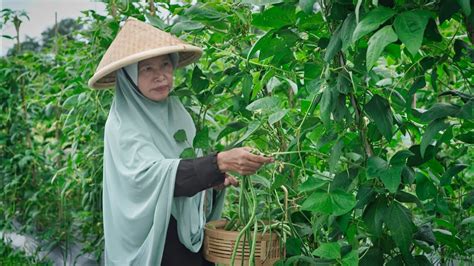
(41, 13)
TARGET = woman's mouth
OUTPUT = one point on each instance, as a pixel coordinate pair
(161, 88)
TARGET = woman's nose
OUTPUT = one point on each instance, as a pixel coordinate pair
(159, 77)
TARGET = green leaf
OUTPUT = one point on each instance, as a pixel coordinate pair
(311, 184)
(391, 178)
(344, 83)
(377, 44)
(439, 110)
(466, 137)
(180, 136)
(452, 171)
(410, 26)
(230, 128)
(186, 26)
(347, 30)
(430, 132)
(379, 110)
(372, 21)
(374, 214)
(275, 117)
(251, 128)
(262, 42)
(400, 224)
(351, 259)
(333, 203)
(155, 21)
(400, 157)
(307, 5)
(188, 153)
(376, 166)
(198, 80)
(403, 196)
(201, 140)
(264, 105)
(335, 154)
(328, 101)
(469, 220)
(328, 251)
(261, 2)
(71, 101)
(373, 257)
(465, 6)
(274, 17)
(425, 189)
(334, 46)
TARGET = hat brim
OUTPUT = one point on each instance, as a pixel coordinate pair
(105, 78)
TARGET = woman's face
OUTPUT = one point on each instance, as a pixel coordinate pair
(155, 77)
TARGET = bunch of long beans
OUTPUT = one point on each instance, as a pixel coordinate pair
(247, 216)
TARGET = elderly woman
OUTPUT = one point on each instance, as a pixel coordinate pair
(155, 205)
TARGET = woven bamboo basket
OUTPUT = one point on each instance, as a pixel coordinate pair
(219, 244)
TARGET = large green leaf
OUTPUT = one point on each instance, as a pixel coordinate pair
(328, 251)
(262, 42)
(229, 128)
(350, 259)
(198, 80)
(410, 26)
(274, 17)
(392, 177)
(377, 44)
(379, 110)
(251, 128)
(430, 132)
(373, 216)
(400, 224)
(180, 136)
(425, 189)
(187, 25)
(277, 116)
(400, 157)
(311, 184)
(372, 21)
(347, 30)
(264, 105)
(452, 171)
(465, 6)
(201, 140)
(376, 166)
(334, 45)
(335, 154)
(439, 110)
(333, 203)
(328, 101)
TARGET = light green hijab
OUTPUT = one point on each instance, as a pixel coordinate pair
(141, 158)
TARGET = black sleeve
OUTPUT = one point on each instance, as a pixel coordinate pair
(195, 175)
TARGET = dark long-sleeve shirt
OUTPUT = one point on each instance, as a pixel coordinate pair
(193, 176)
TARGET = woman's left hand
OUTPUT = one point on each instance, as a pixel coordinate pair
(229, 180)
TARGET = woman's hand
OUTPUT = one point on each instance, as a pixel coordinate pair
(241, 160)
(229, 180)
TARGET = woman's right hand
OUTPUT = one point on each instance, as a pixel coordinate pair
(241, 160)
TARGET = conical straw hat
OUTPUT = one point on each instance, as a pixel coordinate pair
(135, 42)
